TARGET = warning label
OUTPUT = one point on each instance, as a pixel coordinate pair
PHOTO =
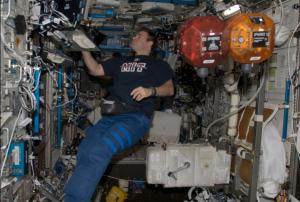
(260, 39)
(211, 43)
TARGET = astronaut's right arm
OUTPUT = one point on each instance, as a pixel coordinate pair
(95, 68)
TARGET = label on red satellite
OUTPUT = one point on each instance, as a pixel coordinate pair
(211, 43)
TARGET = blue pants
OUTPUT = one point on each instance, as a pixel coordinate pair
(112, 134)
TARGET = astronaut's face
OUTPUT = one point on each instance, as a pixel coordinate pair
(140, 42)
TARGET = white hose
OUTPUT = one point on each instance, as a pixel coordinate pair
(241, 107)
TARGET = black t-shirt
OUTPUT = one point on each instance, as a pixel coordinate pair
(131, 72)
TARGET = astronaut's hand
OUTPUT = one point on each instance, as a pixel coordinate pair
(140, 93)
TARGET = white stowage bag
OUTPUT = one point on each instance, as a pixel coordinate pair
(273, 161)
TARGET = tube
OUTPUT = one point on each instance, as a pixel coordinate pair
(286, 109)
(36, 115)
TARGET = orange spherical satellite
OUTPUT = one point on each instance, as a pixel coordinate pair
(200, 41)
(250, 37)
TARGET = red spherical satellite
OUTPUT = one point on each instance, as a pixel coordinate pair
(200, 41)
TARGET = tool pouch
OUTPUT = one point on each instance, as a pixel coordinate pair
(113, 106)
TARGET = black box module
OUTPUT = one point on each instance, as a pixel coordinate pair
(73, 9)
